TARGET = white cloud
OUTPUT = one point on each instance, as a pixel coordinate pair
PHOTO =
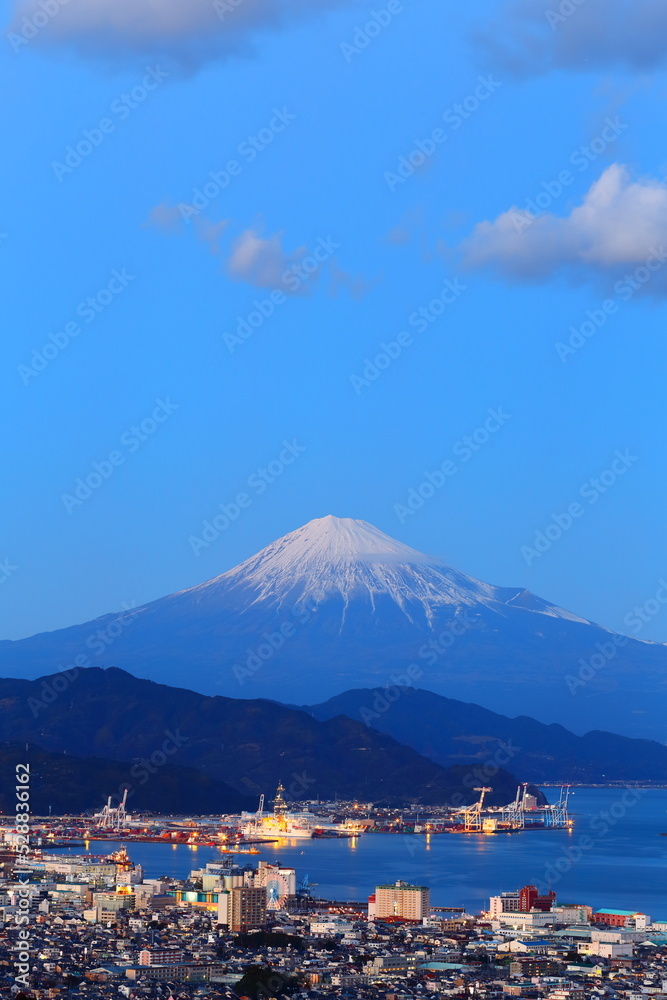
(170, 219)
(165, 217)
(262, 262)
(258, 260)
(357, 286)
(210, 232)
(618, 226)
(188, 32)
(530, 37)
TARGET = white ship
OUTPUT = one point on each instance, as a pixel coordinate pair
(282, 823)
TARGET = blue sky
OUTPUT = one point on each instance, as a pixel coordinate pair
(337, 101)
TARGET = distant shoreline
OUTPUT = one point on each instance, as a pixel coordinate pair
(629, 783)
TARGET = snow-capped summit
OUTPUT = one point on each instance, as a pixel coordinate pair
(333, 540)
(346, 558)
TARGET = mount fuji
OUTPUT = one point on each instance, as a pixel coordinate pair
(337, 604)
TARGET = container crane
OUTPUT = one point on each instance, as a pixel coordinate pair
(473, 814)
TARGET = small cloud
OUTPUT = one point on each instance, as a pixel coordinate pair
(170, 219)
(356, 285)
(262, 262)
(412, 230)
(258, 260)
(619, 225)
(210, 232)
(407, 227)
(533, 37)
(167, 218)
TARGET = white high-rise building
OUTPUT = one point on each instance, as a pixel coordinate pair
(409, 902)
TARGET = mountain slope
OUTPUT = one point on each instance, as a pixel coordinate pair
(250, 745)
(67, 784)
(337, 604)
(453, 732)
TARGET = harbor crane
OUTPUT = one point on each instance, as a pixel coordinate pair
(557, 814)
(113, 817)
(472, 815)
(256, 823)
(514, 814)
(549, 816)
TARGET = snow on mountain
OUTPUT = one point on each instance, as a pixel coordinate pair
(342, 557)
(333, 556)
(531, 602)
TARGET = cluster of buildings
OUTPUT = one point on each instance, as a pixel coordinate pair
(607, 934)
(98, 928)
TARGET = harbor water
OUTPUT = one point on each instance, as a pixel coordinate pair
(613, 856)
